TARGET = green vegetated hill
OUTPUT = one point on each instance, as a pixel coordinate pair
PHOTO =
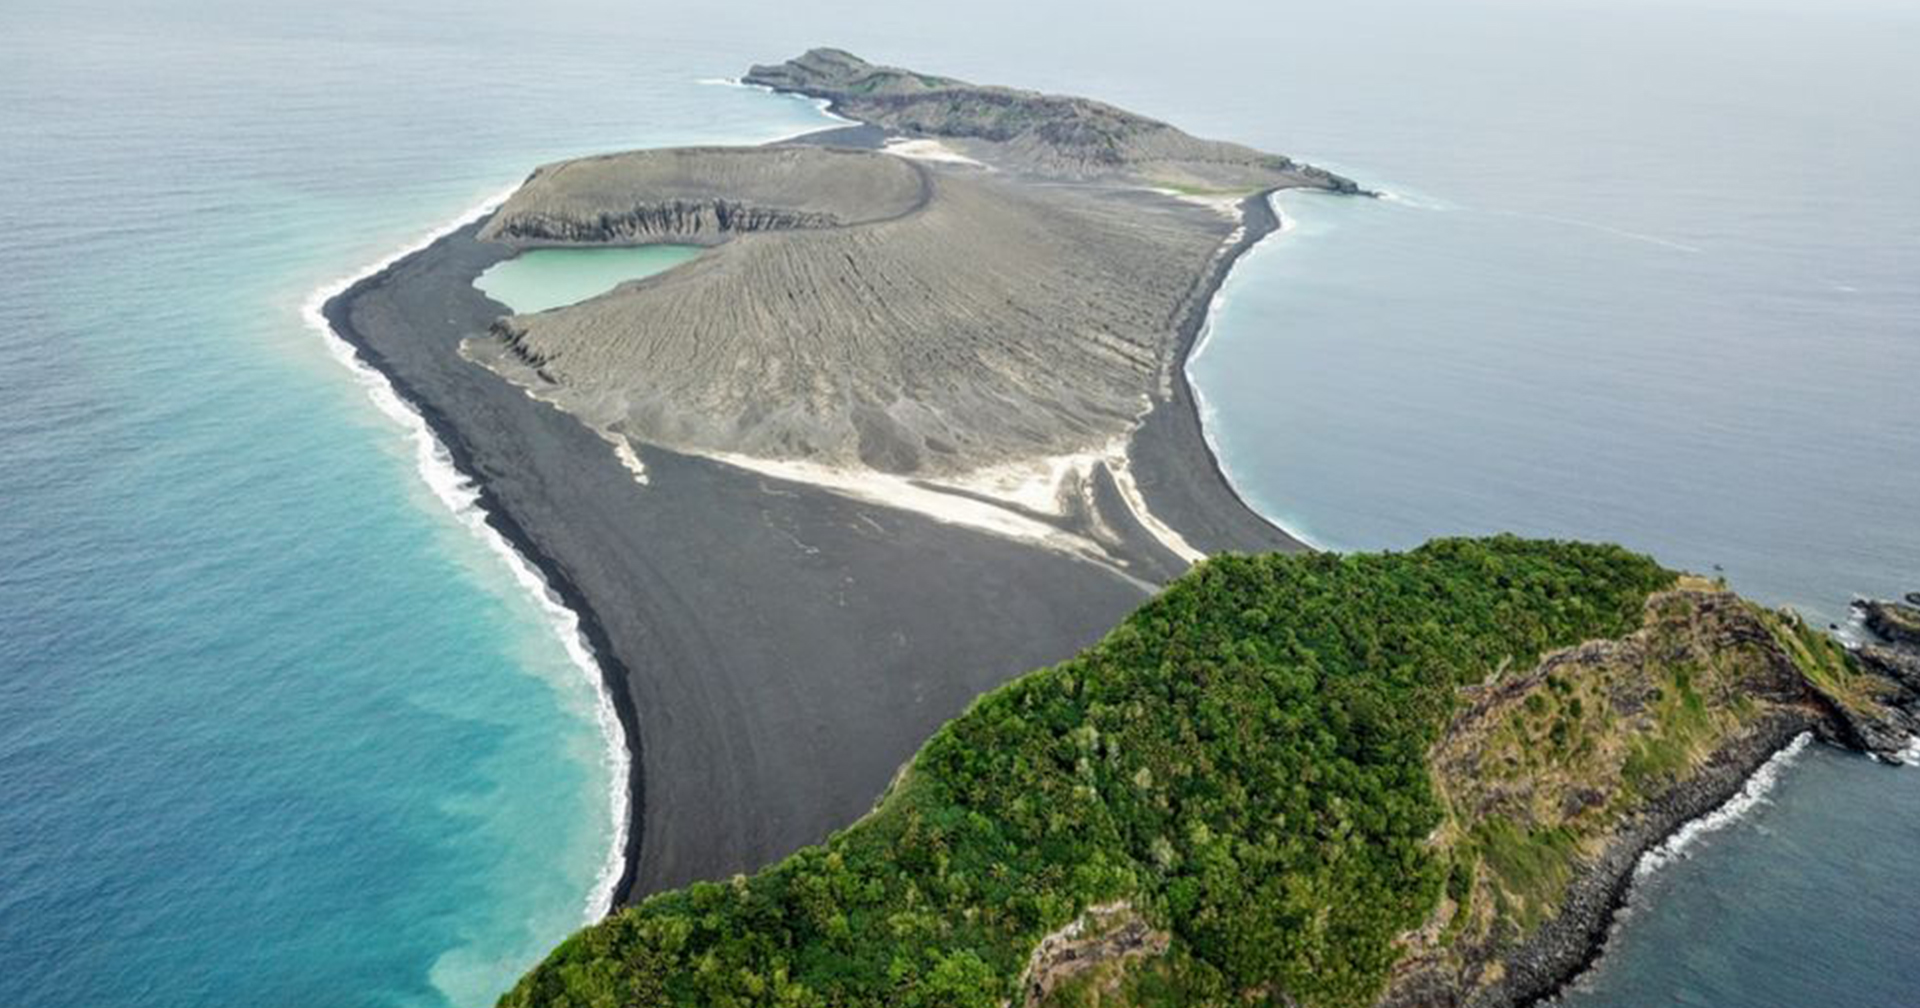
(1315, 780)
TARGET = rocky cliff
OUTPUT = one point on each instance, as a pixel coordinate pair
(1419, 779)
(704, 195)
(1557, 781)
(1895, 622)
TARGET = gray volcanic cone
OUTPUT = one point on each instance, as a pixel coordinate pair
(861, 308)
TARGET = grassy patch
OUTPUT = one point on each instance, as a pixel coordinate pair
(1826, 664)
(1530, 866)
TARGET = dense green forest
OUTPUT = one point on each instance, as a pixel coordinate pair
(1243, 759)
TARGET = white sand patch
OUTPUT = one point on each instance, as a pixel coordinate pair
(1136, 503)
(1041, 484)
(1016, 495)
(929, 150)
(908, 494)
(1047, 484)
(623, 450)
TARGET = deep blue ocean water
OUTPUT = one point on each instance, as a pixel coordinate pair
(278, 728)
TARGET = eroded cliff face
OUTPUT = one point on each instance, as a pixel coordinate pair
(703, 195)
(1086, 961)
(1559, 780)
(655, 222)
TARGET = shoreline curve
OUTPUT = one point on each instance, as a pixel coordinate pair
(1264, 206)
(1231, 521)
(324, 311)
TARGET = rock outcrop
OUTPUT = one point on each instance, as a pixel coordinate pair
(1559, 780)
(1054, 135)
(1895, 622)
(1092, 951)
(704, 195)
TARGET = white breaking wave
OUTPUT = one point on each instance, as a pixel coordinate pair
(1751, 795)
(461, 497)
(1412, 200)
(1910, 756)
(820, 104)
(1605, 229)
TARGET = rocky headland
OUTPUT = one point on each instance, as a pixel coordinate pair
(1419, 780)
(1048, 135)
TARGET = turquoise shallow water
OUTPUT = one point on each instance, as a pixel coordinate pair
(539, 279)
(277, 728)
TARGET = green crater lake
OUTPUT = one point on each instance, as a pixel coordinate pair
(539, 279)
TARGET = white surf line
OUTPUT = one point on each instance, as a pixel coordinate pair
(1751, 795)
(1910, 756)
(461, 497)
(824, 106)
(1604, 229)
(908, 494)
(1208, 417)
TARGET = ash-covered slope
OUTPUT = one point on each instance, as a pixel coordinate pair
(900, 318)
(862, 309)
(703, 195)
(1048, 134)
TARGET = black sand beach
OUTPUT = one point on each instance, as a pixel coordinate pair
(776, 651)
(1173, 464)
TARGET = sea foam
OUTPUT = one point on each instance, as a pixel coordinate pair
(822, 105)
(1752, 794)
(461, 497)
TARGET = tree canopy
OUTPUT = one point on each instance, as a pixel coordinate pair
(1242, 759)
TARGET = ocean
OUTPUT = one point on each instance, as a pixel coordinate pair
(281, 725)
